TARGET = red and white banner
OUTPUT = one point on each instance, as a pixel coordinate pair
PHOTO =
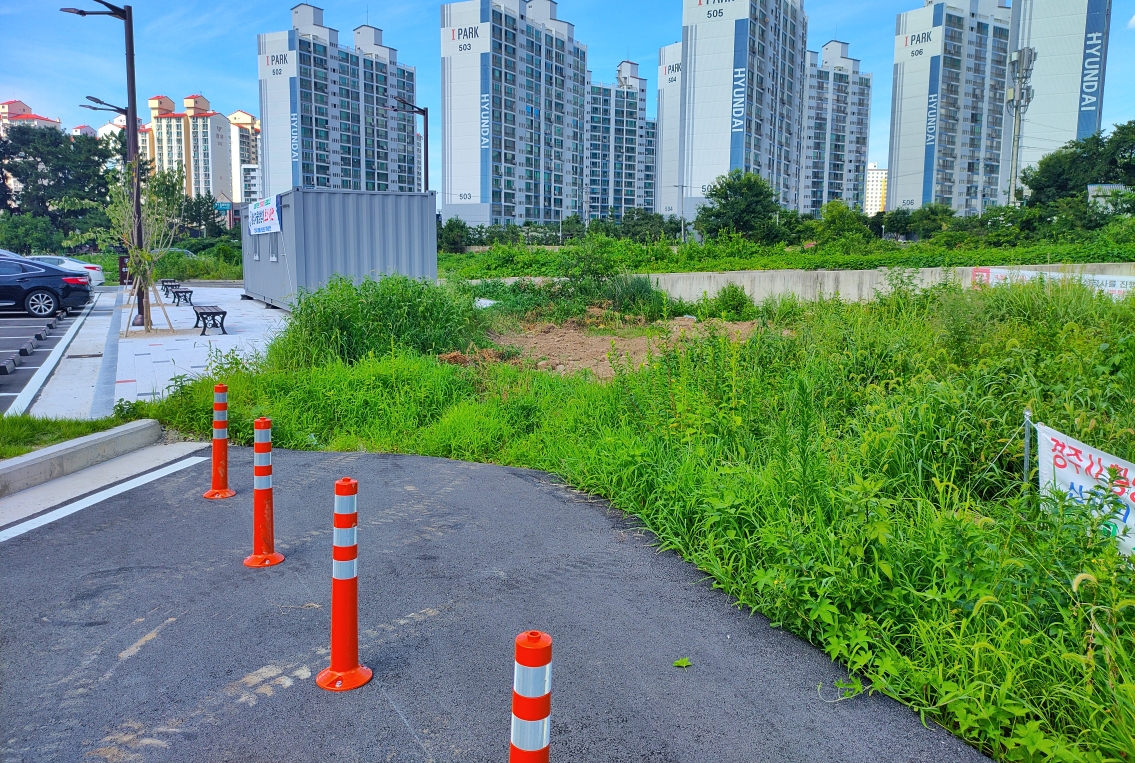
(1117, 286)
(1079, 471)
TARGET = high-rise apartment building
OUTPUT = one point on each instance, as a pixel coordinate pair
(742, 79)
(948, 106)
(648, 165)
(19, 113)
(514, 103)
(1070, 39)
(617, 166)
(875, 195)
(837, 127)
(196, 139)
(244, 131)
(328, 111)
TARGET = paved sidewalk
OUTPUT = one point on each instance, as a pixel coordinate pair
(147, 365)
(132, 632)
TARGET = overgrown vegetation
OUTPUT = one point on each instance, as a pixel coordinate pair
(852, 471)
(606, 256)
(23, 434)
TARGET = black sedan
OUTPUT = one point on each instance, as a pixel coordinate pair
(40, 289)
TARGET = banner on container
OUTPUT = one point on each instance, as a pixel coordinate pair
(1117, 286)
(264, 216)
(1080, 471)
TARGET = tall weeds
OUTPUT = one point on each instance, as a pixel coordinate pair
(852, 471)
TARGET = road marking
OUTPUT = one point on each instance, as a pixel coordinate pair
(24, 400)
(91, 500)
(132, 650)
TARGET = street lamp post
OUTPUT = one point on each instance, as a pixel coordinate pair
(125, 14)
(425, 113)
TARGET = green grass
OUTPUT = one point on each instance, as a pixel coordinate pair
(23, 434)
(604, 256)
(852, 471)
(204, 266)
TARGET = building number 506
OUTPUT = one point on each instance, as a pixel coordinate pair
(715, 13)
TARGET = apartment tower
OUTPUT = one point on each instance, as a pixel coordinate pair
(837, 128)
(514, 102)
(948, 106)
(617, 165)
(1069, 38)
(330, 113)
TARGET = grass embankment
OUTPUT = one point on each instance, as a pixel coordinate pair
(605, 256)
(23, 434)
(851, 471)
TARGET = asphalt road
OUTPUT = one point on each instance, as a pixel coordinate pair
(132, 632)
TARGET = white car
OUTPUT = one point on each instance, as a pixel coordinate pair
(94, 272)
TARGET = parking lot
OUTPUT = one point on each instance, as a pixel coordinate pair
(25, 345)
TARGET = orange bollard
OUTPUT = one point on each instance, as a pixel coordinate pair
(220, 445)
(345, 672)
(264, 552)
(531, 699)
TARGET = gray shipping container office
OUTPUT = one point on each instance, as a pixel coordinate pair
(327, 232)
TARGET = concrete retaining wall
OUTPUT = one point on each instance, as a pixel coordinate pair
(48, 463)
(850, 285)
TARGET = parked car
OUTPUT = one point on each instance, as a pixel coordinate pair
(40, 289)
(70, 263)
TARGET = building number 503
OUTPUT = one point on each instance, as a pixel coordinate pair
(464, 47)
(715, 13)
(466, 196)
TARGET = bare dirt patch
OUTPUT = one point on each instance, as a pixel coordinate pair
(575, 346)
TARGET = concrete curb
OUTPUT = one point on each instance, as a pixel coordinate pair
(40, 466)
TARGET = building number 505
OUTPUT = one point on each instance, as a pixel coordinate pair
(715, 13)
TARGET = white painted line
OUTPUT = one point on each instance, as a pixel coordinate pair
(91, 500)
(35, 384)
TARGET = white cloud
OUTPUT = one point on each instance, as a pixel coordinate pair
(1131, 23)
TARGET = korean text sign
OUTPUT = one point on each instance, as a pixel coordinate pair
(1117, 286)
(1074, 469)
(264, 216)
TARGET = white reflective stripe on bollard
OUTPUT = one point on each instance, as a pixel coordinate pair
(262, 483)
(221, 415)
(531, 735)
(220, 397)
(220, 434)
(262, 435)
(345, 537)
(532, 682)
(345, 570)
(261, 459)
(346, 504)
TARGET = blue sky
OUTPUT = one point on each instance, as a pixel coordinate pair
(197, 46)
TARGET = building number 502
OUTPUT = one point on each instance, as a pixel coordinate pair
(715, 13)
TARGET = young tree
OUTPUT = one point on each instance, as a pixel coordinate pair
(930, 219)
(740, 202)
(1096, 159)
(841, 221)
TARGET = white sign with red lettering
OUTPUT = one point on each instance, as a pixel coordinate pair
(264, 216)
(1117, 286)
(1074, 469)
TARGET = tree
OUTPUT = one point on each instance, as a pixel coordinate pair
(642, 226)
(50, 167)
(930, 219)
(841, 221)
(740, 202)
(898, 221)
(25, 234)
(200, 214)
(453, 236)
(573, 227)
(1068, 171)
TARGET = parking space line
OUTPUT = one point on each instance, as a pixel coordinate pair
(35, 384)
(91, 500)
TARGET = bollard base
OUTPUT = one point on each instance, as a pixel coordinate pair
(216, 495)
(352, 679)
(264, 560)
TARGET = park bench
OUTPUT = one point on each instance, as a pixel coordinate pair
(168, 285)
(182, 295)
(210, 316)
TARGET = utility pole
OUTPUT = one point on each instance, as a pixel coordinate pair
(425, 113)
(1017, 103)
(125, 14)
